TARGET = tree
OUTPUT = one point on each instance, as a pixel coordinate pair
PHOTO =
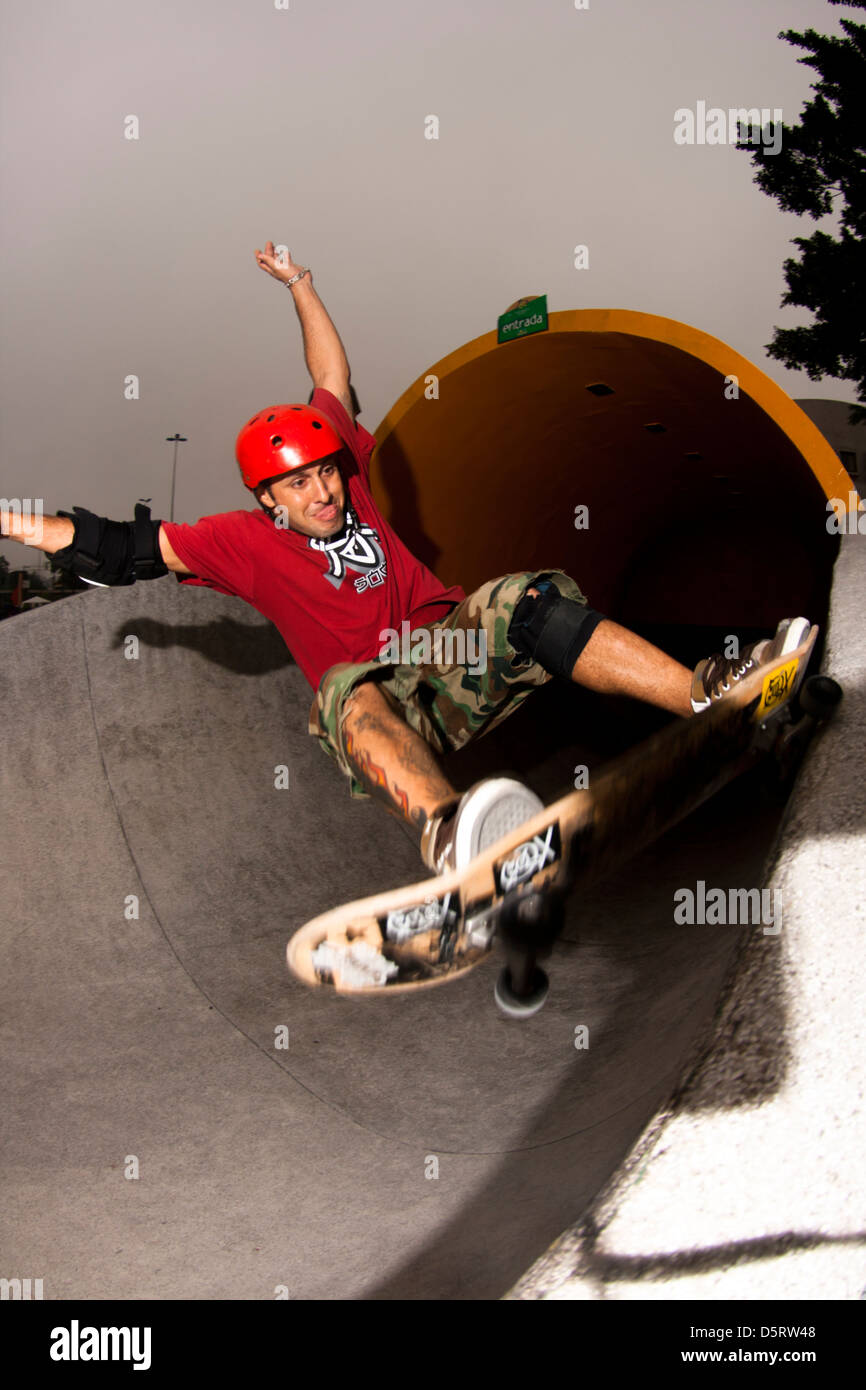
(821, 169)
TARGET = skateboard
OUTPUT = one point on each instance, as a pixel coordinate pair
(437, 930)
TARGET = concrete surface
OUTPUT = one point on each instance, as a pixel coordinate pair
(157, 1143)
(750, 1183)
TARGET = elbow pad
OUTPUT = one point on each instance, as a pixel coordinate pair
(112, 553)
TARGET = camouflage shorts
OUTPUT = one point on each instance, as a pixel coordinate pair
(458, 683)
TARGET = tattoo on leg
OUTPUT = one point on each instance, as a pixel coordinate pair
(411, 753)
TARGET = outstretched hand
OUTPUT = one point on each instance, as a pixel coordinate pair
(282, 269)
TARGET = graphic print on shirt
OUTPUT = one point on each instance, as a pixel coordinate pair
(356, 548)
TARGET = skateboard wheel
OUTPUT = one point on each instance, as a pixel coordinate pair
(521, 1005)
(819, 696)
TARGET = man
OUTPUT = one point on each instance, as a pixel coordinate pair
(321, 562)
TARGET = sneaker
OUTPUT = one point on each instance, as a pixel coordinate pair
(464, 826)
(716, 675)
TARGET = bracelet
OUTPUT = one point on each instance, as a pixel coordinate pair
(295, 278)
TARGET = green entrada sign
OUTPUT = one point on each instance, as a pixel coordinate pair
(526, 316)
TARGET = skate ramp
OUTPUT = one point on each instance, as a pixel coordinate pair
(667, 474)
(184, 1120)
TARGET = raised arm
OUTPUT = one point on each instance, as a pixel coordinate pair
(324, 353)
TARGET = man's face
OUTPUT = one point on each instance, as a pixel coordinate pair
(312, 500)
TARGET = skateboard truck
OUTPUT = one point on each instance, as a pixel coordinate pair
(529, 922)
(813, 704)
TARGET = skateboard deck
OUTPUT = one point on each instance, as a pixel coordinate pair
(428, 933)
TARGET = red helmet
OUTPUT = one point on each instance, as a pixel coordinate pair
(282, 437)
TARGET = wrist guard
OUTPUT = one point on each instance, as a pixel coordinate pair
(112, 553)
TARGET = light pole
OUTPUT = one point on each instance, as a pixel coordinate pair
(174, 439)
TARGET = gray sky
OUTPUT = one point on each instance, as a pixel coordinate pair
(306, 126)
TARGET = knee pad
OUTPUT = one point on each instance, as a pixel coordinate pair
(551, 630)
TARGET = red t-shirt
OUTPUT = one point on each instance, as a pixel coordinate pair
(330, 599)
